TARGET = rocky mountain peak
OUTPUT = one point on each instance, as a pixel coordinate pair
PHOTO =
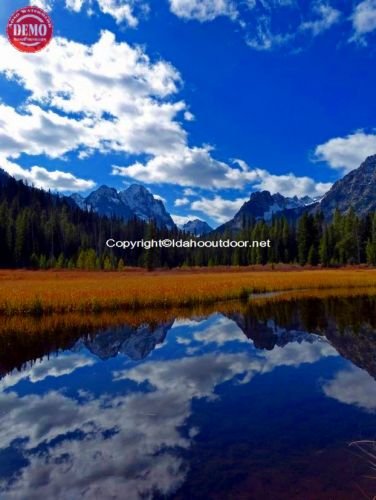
(145, 206)
(197, 227)
(357, 190)
(135, 201)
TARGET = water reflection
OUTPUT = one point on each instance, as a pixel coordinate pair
(250, 402)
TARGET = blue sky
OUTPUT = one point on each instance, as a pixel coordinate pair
(201, 101)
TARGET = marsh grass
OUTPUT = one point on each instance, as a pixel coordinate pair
(41, 292)
(367, 449)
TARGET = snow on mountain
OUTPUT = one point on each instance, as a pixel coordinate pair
(145, 206)
(135, 201)
(197, 227)
(263, 205)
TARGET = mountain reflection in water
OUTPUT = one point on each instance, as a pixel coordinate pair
(253, 402)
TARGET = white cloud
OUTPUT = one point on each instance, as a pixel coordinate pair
(327, 16)
(222, 331)
(197, 167)
(42, 4)
(159, 197)
(320, 18)
(180, 220)
(189, 192)
(190, 117)
(146, 425)
(364, 18)
(98, 105)
(353, 387)
(47, 367)
(263, 38)
(120, 10)
(260, 19)
(203, 10)
(97, 465)
(180, 202)
(94, 104)
(123, 11)
(35, 131)
(84, 441)
(347, 152)
(186, 167)
(56, 180)
(291, 185)
(220, 209)
(75, 5)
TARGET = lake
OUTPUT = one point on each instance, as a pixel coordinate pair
(272, 400)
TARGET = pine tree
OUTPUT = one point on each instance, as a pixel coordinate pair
(324, 248)
(303, 239)
(371, 244)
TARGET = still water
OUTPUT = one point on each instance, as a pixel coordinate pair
(247, 403)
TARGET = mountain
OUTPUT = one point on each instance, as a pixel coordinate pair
(263, 205)
(135, 201)
(107, 201)
(78, 200)
(136, 343)
(145, 206)
(357, 190)
(267, 334)
(197, 227)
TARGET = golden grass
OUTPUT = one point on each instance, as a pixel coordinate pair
(37, 292)
(322, 293)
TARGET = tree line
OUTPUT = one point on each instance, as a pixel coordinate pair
(40, 230)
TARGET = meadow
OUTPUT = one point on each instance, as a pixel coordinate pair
(38, 292)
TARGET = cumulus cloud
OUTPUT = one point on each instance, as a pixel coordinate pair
(189, 192)
(353, 387)
(95, 104)
(42, 4)
(47, 367)
(97, 464)
(218, 330)
(180, 220)
(290, 185)
(220, 333)
(40, 177)
(75, 5)
(203, 10)
(126, 445)
(186, 167)
(146, 425)
(159, 197)
(364, 18)
(180, 202)
(35, 131)
(220, 209)
(347, 153)
(98, 105)
(197, 167)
